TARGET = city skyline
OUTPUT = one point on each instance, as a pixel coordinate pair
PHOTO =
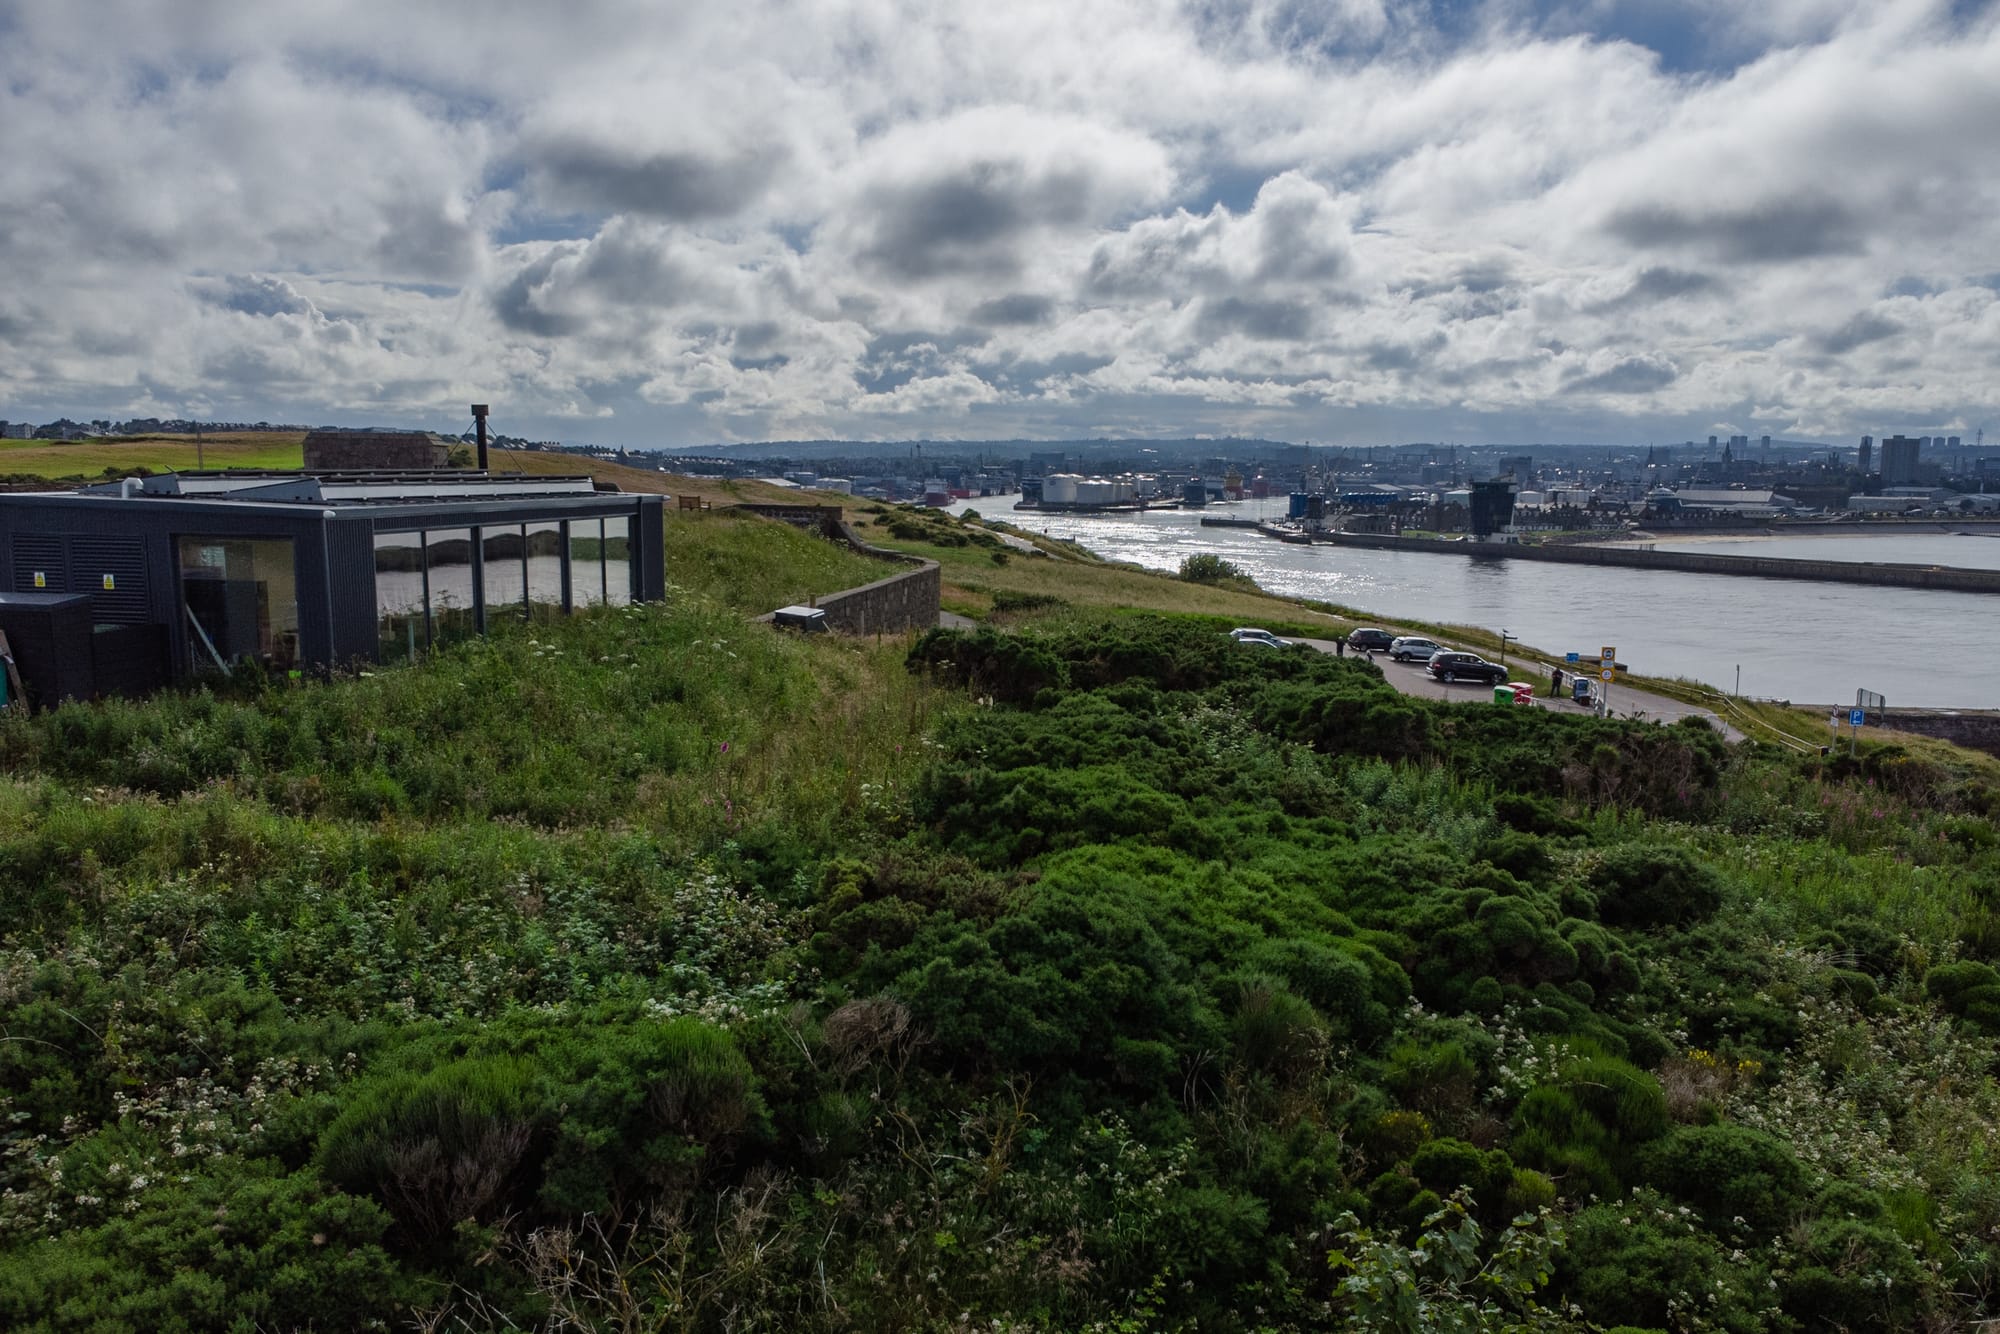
(1616, 220)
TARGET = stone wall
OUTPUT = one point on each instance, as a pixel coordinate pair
(1975, 731)
(907, 601)
(370, 451)
(821, 519)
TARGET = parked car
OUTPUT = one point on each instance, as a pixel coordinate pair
(1466, 667)
(1369, 640)
(1250, 634)
(1414, 648)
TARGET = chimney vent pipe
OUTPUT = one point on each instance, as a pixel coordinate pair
(479, 419)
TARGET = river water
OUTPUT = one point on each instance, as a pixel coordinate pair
(1792, 639)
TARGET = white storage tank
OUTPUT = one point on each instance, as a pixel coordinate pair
(1093, 491)
(1060, 489)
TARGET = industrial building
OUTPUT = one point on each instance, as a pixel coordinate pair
(160, 578)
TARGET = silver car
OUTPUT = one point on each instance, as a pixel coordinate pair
(1414, 648)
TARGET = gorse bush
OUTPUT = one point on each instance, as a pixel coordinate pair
(1104, 976)
(238, 1246)
(439, 1146)
(1644, 886)
(1208, 568)
(1730, 1173)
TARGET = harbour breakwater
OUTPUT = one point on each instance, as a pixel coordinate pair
(1948, 578)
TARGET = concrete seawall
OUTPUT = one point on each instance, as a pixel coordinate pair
(1975, 731)
(1948, 578)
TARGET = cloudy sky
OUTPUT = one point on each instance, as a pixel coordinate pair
(663, 222)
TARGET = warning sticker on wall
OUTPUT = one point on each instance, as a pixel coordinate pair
(110, 583)
(41, 578)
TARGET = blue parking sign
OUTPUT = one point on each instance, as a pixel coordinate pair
(1572, 657)
(1857, 716)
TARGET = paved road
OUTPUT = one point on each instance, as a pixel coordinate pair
(1626, 702)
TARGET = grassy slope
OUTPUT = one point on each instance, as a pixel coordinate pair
(717, 491)
(625, 811)
(160, 453)
(1078, 579)
(757, 564)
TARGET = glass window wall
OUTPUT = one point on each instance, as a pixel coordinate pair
(617, 562)
(544, 571)
(239, 602)
(429, 585)
(586, 562)
(400, 596)
(506, 574)
(448, 575)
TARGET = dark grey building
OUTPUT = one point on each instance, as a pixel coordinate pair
(1899, 460)
(300, 570)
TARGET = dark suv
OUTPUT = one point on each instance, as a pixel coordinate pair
(1466, 667)
(1370, 640)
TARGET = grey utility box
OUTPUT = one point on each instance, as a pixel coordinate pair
(806, 620)
(50, 634)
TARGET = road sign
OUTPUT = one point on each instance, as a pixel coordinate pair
(1572, 657)
(1609, 655)
(1606, 674)
(1857, 716)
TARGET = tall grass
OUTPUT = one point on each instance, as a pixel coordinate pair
(682, 720)
(758, 565)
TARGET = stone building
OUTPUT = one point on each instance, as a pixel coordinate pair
(357, 451)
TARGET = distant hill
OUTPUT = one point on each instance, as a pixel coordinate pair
(997, 449)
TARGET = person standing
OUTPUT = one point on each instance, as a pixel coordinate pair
(1556, 682)
(1340, 646)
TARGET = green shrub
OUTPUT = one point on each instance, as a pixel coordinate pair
(1208, 568)
(1729, 1172)
(1009, 668)
(1645, 885)
(1635, 1261)
(1436, 1078)
(1969, 989)
(1008, 600)
(1329, 974)
(242, 1245)
(1586, 1128)
(645, 1106)
(1502, 1191)
(1276, 1032)
(1394, 1136)
(439, 1146)
(1853, 1275)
